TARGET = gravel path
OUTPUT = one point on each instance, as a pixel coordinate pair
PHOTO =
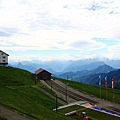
(11, 115)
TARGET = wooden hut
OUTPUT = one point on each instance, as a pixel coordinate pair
(43, 74)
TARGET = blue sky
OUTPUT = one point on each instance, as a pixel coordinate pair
(60, 29)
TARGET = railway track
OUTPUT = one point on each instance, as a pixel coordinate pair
(64, 90)
(77, 97)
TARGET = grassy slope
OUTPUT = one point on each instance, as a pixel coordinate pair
(14, 76)
(29, 101)
(25, 99)
(95, 90)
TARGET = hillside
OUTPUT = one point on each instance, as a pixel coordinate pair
(17, 93)
(15, 76)
(94, 78)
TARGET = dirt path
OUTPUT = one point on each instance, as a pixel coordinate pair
(11, 115)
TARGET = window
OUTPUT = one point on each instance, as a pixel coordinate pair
(3, 60)
(3, 56)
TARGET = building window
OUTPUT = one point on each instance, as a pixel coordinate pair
(3, 60)
(3, 56)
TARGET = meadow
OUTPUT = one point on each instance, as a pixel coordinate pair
(17, 93)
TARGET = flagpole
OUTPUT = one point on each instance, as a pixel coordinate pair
(106, 92)
(113, 94)
(100, 84)
(100, 91)
(106, 85)
(113, 88)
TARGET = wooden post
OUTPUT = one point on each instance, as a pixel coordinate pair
(56, 104)
(51, 86)
(66, 92)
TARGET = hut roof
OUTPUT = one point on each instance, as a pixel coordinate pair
(40, 71)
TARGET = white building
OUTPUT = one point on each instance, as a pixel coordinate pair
(3, 58)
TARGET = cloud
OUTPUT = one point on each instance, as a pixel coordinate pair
(114, 51)
(59, 25)
(2, 33)
(89, 45)
(8, 32)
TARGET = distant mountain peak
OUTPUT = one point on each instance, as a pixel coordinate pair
(104, 69)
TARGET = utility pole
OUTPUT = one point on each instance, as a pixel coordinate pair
(35, 79)
(66, 90)
(56, 103)
(51, 85)
(66, 93)
(67, 78)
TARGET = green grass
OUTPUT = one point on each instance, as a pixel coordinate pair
(99, 115)
(14, 76)
(91, 113)
(95, 90)
(17, 94)
(69, 109)
(30, 102)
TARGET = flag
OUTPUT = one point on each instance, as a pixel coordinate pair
(105, 81)
(113, 82)
(99, 79)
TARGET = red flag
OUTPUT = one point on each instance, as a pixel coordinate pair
(112, 82)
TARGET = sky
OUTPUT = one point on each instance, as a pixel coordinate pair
(60, 29)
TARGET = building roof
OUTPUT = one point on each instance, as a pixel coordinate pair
(40, 71)
(4, 52)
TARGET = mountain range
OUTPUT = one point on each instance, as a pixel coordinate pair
(77, 75)
(59, 67)
(86, 70)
